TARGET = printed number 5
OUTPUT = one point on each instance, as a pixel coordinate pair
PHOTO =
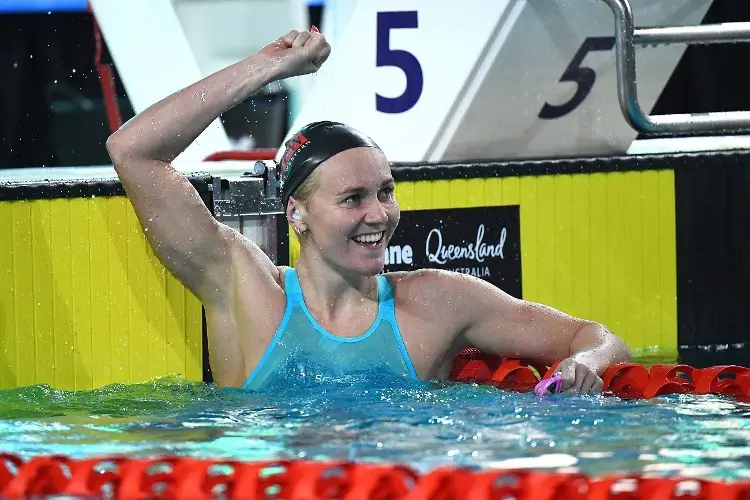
(402, 59)
(583, 76)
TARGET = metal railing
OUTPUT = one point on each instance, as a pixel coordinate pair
(627, 36)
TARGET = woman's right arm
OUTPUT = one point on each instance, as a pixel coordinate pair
(186, 238)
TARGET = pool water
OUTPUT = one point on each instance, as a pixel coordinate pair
(423, 425)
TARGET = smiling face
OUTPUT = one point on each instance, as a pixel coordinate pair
(351, 214)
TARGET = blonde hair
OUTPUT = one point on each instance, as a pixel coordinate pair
(307, 188)
(303, 193)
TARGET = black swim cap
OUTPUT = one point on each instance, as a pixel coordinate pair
(313, 145)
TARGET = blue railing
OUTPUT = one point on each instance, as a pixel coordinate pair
(29, 6)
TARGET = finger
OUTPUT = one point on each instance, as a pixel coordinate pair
(315, 29)
(598, 386)
(568, 373)
(323, 55)
(303, 37)
(288, 39)
(318, 48)
(315, 41)
(582, 372)
(588, 380)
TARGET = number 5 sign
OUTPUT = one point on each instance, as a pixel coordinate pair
(402, 59)
(442, 80)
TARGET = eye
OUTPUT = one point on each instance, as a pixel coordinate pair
(351, 199)
(386, 193)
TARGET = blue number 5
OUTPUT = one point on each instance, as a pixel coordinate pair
(399, 58)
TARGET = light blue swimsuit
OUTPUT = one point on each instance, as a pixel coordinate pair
(303, 353)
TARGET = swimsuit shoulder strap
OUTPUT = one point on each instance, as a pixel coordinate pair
(387, 305)
(385, 298)
(292, 288)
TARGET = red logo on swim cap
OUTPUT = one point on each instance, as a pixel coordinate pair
(292, 146)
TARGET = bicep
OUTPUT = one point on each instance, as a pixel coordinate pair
(501, 324)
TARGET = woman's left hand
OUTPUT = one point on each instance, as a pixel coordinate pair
(578, 377)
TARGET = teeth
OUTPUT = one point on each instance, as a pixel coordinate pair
(369, 238)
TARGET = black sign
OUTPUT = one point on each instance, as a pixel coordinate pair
(484, 242)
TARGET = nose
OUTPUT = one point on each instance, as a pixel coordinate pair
(376, 213)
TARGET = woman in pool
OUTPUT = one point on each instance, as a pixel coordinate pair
(335, 313)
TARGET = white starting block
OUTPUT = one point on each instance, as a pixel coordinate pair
(162, 46)
(446, 80)
(442, 80)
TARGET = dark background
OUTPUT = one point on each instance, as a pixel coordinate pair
(51, 107)
(53, 116)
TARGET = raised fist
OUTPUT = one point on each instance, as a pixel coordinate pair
(298, 53)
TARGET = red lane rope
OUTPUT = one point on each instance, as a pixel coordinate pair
(189, 478)
(624, 380)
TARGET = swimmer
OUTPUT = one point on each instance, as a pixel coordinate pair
(336, 311)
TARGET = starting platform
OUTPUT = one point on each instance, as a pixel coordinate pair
(435, 81)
